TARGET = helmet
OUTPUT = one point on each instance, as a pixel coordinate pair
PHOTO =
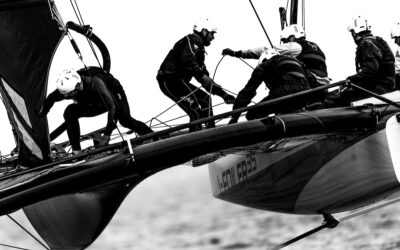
(299, 31)
(267, 54)
(204, 23)
(287, 32)
(395, 32)
(293, 30)
(359, 24)
(67, 81)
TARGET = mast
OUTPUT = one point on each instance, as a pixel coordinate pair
(293, 14)
(296, 11)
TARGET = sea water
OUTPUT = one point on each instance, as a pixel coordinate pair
(174, 209)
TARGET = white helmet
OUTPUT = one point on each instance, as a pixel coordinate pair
(293, 30)
(67, 81)
(204, 23)
(267, 54)
(299, 31)
(287, 32)
(359, 24)
(395, 32)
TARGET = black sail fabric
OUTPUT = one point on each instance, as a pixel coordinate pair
(28, 39)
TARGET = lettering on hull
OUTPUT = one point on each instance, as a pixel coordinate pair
(236, 173)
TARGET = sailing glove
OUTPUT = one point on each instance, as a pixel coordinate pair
(228, 99)
(229, 52)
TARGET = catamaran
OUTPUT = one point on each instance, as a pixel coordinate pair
(322, 161)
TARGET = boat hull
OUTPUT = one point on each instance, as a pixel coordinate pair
(74, 221)
(309, 175)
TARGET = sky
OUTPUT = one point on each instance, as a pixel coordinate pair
(139, 34)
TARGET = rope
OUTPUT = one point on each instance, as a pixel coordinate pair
(315, 117)
(259, 20)
(77, 12)
(283, 124)
(246, 63)
(175, 104)
(81, 22)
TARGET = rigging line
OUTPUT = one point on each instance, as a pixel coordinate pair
(283, 124)
(81, 22)
(216, 68)
(209, 97)
(315, 117)
(9, 246)
(259, 20)
(227, 90)
(165, 123)
(331, 222)
(79, 12)
(368, 209)
(29, 233)
(176, 103)
(303, 3)
(119, 132)
(246, 63)
(76, 10)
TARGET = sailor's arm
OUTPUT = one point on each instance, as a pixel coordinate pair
(248, 92)
(253, 53)
(48, 103)
(215, 89)
(291, 49)
(369, 64)
(189, 58)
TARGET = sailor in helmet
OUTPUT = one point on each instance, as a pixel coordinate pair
(94, 92)
(374, 66)
(283, 75)
(294, 44)
(185, 61)
(395, 35)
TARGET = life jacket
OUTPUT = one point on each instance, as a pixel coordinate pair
(185, 59)
(386, 71)
(313, 58)
(280, 69)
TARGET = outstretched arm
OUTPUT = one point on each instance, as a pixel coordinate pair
(247, 93)
(48, 103)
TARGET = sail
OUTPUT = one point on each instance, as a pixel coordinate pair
(29, 37)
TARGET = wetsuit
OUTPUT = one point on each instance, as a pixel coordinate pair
(313, 57)
(283, 75)
(375, 71)
(308, 53)
(100, 93)
(397, 67)
(183, 62)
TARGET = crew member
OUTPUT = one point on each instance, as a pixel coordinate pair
(94, 92)
(185, 61)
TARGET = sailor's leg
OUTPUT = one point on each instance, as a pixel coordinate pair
(71, 116)
(181, 93)
(204, 101)
(127, 120)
